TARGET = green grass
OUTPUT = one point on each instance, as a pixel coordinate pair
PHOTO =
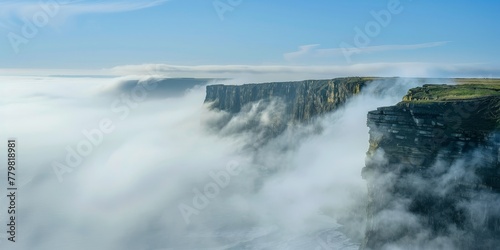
(477, 81)
(466, 89)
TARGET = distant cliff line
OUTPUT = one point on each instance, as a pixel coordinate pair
(303, 99)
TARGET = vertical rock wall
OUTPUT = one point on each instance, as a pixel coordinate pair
(430, 164)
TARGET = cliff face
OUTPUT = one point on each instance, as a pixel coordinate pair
(433, 172)
(303, 100)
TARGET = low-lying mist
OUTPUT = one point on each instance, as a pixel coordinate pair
(139, 170)
(441, 206)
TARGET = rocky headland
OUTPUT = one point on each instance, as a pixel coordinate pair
(432, 169)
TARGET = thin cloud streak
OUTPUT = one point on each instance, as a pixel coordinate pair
(112, 6)
(312, 51)
(20, 10)
(261, 73)
(404, 69)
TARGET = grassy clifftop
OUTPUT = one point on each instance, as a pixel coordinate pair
(465, 89)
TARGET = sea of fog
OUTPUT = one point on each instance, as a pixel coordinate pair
(127, 163)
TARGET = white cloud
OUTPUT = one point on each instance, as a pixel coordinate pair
(125, 193)
(312, 51)
(12, 11)
(130, 185)
(304, 50)
(80, 7)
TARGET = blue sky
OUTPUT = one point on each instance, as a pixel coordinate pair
(108, 34)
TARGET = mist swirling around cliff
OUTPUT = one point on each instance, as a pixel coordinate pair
(155, 177)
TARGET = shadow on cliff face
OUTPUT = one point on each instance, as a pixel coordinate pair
(160, 179)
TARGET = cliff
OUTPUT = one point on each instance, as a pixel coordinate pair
(433, 170)
(432, 167)
(302, 100)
